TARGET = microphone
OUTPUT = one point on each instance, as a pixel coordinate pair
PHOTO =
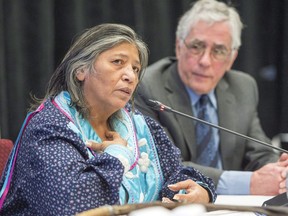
(156, 105)
(278, 200)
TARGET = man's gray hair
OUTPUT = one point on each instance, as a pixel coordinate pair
(211, 11)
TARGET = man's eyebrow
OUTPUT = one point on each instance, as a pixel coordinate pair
(195, 40)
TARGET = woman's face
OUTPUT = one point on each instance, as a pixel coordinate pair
(110, 86)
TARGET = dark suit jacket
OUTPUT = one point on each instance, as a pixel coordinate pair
(237, 100)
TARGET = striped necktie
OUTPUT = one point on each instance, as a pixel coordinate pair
(207, 154)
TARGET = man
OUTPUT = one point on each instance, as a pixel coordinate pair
(207, 41)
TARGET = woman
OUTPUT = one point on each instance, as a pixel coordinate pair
(85, 146)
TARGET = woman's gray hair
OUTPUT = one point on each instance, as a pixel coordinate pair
(211, 11)
(83, 53)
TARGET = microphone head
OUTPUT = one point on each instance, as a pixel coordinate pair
(156, 105)
(153, 104)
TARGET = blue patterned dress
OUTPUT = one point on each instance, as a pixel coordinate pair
(56, 174)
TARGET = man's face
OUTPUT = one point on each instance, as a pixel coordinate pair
(205, 55)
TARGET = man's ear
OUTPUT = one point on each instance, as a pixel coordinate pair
(177, 48)
(80, 74)
(233, 57)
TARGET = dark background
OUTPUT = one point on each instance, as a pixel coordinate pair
(35, 35)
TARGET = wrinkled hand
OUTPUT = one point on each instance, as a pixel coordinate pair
(194, 192)
(270, 179)
(112, 138)
(283, 160)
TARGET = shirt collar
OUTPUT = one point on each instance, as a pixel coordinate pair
(194, 97)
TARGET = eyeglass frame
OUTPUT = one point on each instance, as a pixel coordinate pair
(212, 52)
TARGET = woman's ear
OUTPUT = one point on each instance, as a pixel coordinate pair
(80, 74)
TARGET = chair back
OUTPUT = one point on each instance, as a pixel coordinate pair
(6, 146)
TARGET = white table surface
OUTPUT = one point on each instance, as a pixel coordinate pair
(235, 200)
(197, 210)
(242, 200)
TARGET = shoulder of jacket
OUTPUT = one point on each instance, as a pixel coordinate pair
(161, 64)
(239, 76)
(156, 70)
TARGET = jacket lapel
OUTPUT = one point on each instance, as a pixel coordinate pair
(179, 100)
(226, 107)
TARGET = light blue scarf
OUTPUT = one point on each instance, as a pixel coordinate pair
(143, 177)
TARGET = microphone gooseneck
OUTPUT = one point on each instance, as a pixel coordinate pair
(156, 105)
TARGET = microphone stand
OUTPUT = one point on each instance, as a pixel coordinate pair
(156, 105)
(278, 200)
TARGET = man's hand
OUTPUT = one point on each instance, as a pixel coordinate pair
(283, 160)
(269, 179)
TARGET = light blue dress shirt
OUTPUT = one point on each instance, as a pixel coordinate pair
(230, 182)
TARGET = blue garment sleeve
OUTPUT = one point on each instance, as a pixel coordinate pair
(234, 182)
(170, 161)
(53, 173)
(122, 153)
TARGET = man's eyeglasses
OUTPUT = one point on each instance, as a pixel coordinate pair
(218, 52)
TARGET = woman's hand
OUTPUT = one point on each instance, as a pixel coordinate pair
(194, 192)
(112, 138)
